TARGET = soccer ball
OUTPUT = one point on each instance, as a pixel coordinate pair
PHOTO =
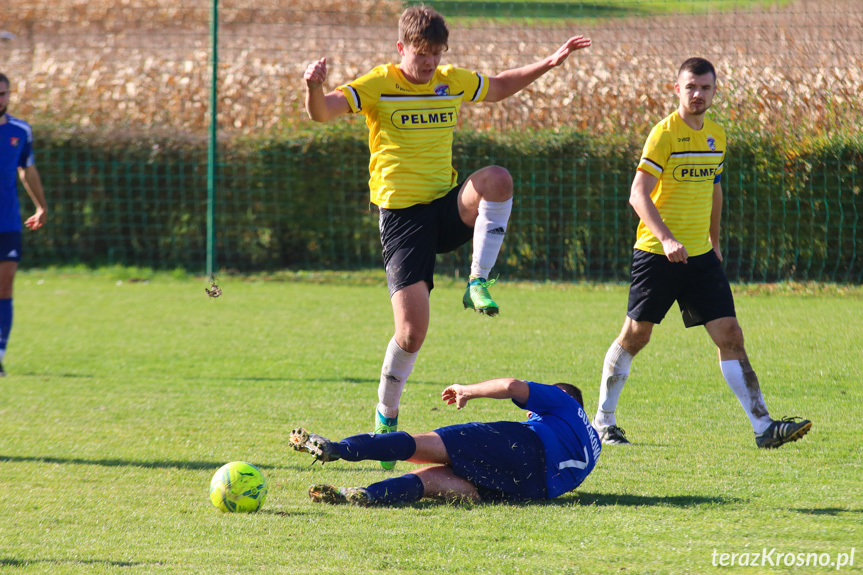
(238, 487)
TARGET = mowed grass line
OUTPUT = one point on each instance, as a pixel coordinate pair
(123, 400)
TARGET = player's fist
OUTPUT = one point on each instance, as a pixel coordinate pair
(674, 251)
(316, 73)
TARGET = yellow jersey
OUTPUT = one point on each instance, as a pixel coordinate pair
(687, 164)
(411, 130)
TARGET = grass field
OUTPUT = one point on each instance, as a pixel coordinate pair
(124, 397)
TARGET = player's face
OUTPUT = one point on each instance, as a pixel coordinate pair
(4, 97)
(695, 92)
(419, 64)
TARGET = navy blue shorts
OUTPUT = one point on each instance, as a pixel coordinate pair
(504, 460)
(412, 237)
(699, 287)
(10, 246)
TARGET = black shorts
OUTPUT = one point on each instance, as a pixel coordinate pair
(699, 286)
(412, 237)
(504, 460)
(10, 247)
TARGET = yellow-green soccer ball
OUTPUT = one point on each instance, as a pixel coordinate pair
(238, 487)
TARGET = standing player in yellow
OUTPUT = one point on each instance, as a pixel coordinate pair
(411, 109)
(677, 193)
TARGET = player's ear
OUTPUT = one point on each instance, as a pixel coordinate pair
(400, 47)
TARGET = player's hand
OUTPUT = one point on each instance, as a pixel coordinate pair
(674, 250)
(36, 221)
(718, 251)
(316, 73)
(573, 44)
(455, 394)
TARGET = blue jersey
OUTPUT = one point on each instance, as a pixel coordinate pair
(571, 444)
(16, 151)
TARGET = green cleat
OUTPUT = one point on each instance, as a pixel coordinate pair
(323, 493)
(386, 425)
(477, 298)
(781, 432)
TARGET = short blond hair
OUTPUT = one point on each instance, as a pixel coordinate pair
(424, 28)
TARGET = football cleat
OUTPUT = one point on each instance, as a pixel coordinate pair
(781, 432)
(386, 425)
(323, 493)
(611, 435)
(477, 298)
(322, 448)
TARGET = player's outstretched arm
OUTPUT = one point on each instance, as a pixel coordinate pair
(512, 81)
(33, 184)
(504, 388)
(319, 106)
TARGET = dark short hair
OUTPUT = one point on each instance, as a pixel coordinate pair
(698, 67)
(572, 391)
(423, 27)
(3, 78)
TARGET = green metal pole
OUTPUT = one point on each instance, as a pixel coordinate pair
(211, 148)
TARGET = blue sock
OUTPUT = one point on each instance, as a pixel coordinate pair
(396, 446)
(404, 489)
(5, 324)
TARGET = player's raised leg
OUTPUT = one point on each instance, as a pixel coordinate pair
(741, 378)
(485, 203)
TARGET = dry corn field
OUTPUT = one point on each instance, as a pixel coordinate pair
(144, 64)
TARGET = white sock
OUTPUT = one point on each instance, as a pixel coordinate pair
(743, 382)
(615, 370)
(488, 235)
(397, 367)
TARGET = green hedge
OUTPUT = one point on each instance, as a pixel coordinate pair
(301, 202)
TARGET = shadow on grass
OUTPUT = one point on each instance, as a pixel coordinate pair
(581, 499)
(832, 511)
(131, 463)
(9, 562)
(614, 499)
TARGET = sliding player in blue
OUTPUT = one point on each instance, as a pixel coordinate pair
(547, 455)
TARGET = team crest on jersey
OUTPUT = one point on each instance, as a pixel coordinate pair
(13, 142)
(442, 89)
(711, 142)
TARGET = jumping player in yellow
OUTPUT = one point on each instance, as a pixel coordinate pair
(677, 193)
(411, 109)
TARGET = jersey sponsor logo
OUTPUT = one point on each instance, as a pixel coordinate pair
(12, 254)
(13, 142)
(694, 173)
(442, 89)
(711, 142)
(424, 119)
(686, 139)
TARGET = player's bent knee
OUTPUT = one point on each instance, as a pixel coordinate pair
(496, 184)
